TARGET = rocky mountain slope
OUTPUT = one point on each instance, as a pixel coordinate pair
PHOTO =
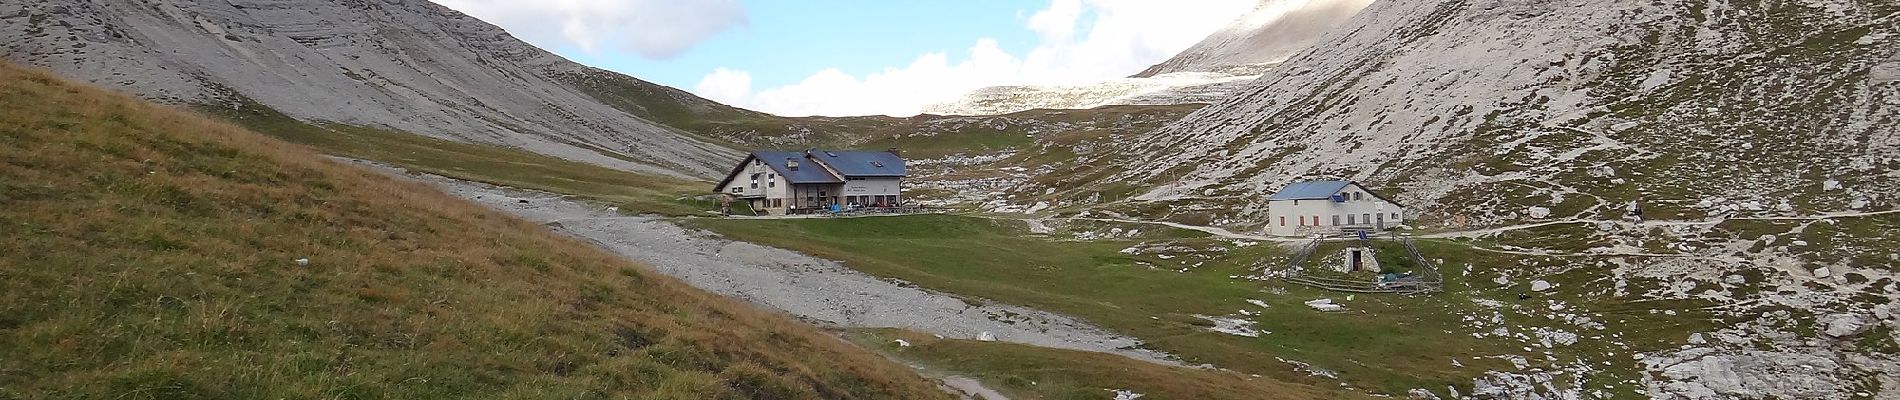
(1210, 71)
(1167, 89)
(1695, 108)
(1758, 136)
(409, 65)
(1273, 31)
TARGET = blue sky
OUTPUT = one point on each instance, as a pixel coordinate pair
(785, 41)
(858, 57)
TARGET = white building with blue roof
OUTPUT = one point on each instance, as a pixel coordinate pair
(790, 182)
(1325, 207)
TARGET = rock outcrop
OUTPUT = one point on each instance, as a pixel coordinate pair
(409, 65)
(1273, 31)
(1489, 106)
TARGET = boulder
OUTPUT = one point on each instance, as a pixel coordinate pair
(1540, 212)
(1324, 305)
(1540, 285)
(986, 336)
(1844, 325)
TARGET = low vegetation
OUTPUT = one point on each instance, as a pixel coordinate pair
(1141, 295)
(1382, 343)
(150, 253)
(476, 162)
(1029, 372)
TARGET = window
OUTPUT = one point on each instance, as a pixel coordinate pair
(1395, 215)
(1316, 221)
(1358, 196)
(1302, 220)
(1336, 220)
(771, 184)
(735, 189)
(1368, 218)
(1352, 219)
(1283, 220)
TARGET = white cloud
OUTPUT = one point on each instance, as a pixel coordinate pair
(893, 91)
(655, 29)
(1080, 41)
(725, 85)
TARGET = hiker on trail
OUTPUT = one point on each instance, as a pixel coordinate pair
(725, 205)
(1636, 211)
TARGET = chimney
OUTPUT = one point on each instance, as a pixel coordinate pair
(894, 152)
(791, 163)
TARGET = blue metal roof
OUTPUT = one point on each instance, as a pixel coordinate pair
(807, 171)
(862, 163)
(826, 166)
(1309, 190)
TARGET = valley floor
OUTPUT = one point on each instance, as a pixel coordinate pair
(812, 289)
(1036, 353)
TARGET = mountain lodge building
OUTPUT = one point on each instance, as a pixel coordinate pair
(786, 182)
(1305, 208)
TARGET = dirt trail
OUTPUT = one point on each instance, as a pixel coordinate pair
(972, 389)
(1224, 233)
(1655, 223)
(1211, 230)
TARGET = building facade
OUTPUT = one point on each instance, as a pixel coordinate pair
(782, 182)
(1325, 207)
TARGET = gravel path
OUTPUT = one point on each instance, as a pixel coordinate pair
(816, 290)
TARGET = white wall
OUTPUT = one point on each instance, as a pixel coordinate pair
(774, 186)
(1365, 211)
(743, 182)
(872, 186)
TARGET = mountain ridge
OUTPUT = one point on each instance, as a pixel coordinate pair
(410, 65)
(1211, 70)
(1273, 31)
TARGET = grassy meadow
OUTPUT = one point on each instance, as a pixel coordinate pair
(1383, 344)
(478, 162)
(149, 253)
(1028, 372)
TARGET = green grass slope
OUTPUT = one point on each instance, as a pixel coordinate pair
(147, 253)
(1385, 344)
(476, 162)
(1029, 372)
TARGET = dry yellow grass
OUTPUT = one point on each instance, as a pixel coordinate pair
(147, 253)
